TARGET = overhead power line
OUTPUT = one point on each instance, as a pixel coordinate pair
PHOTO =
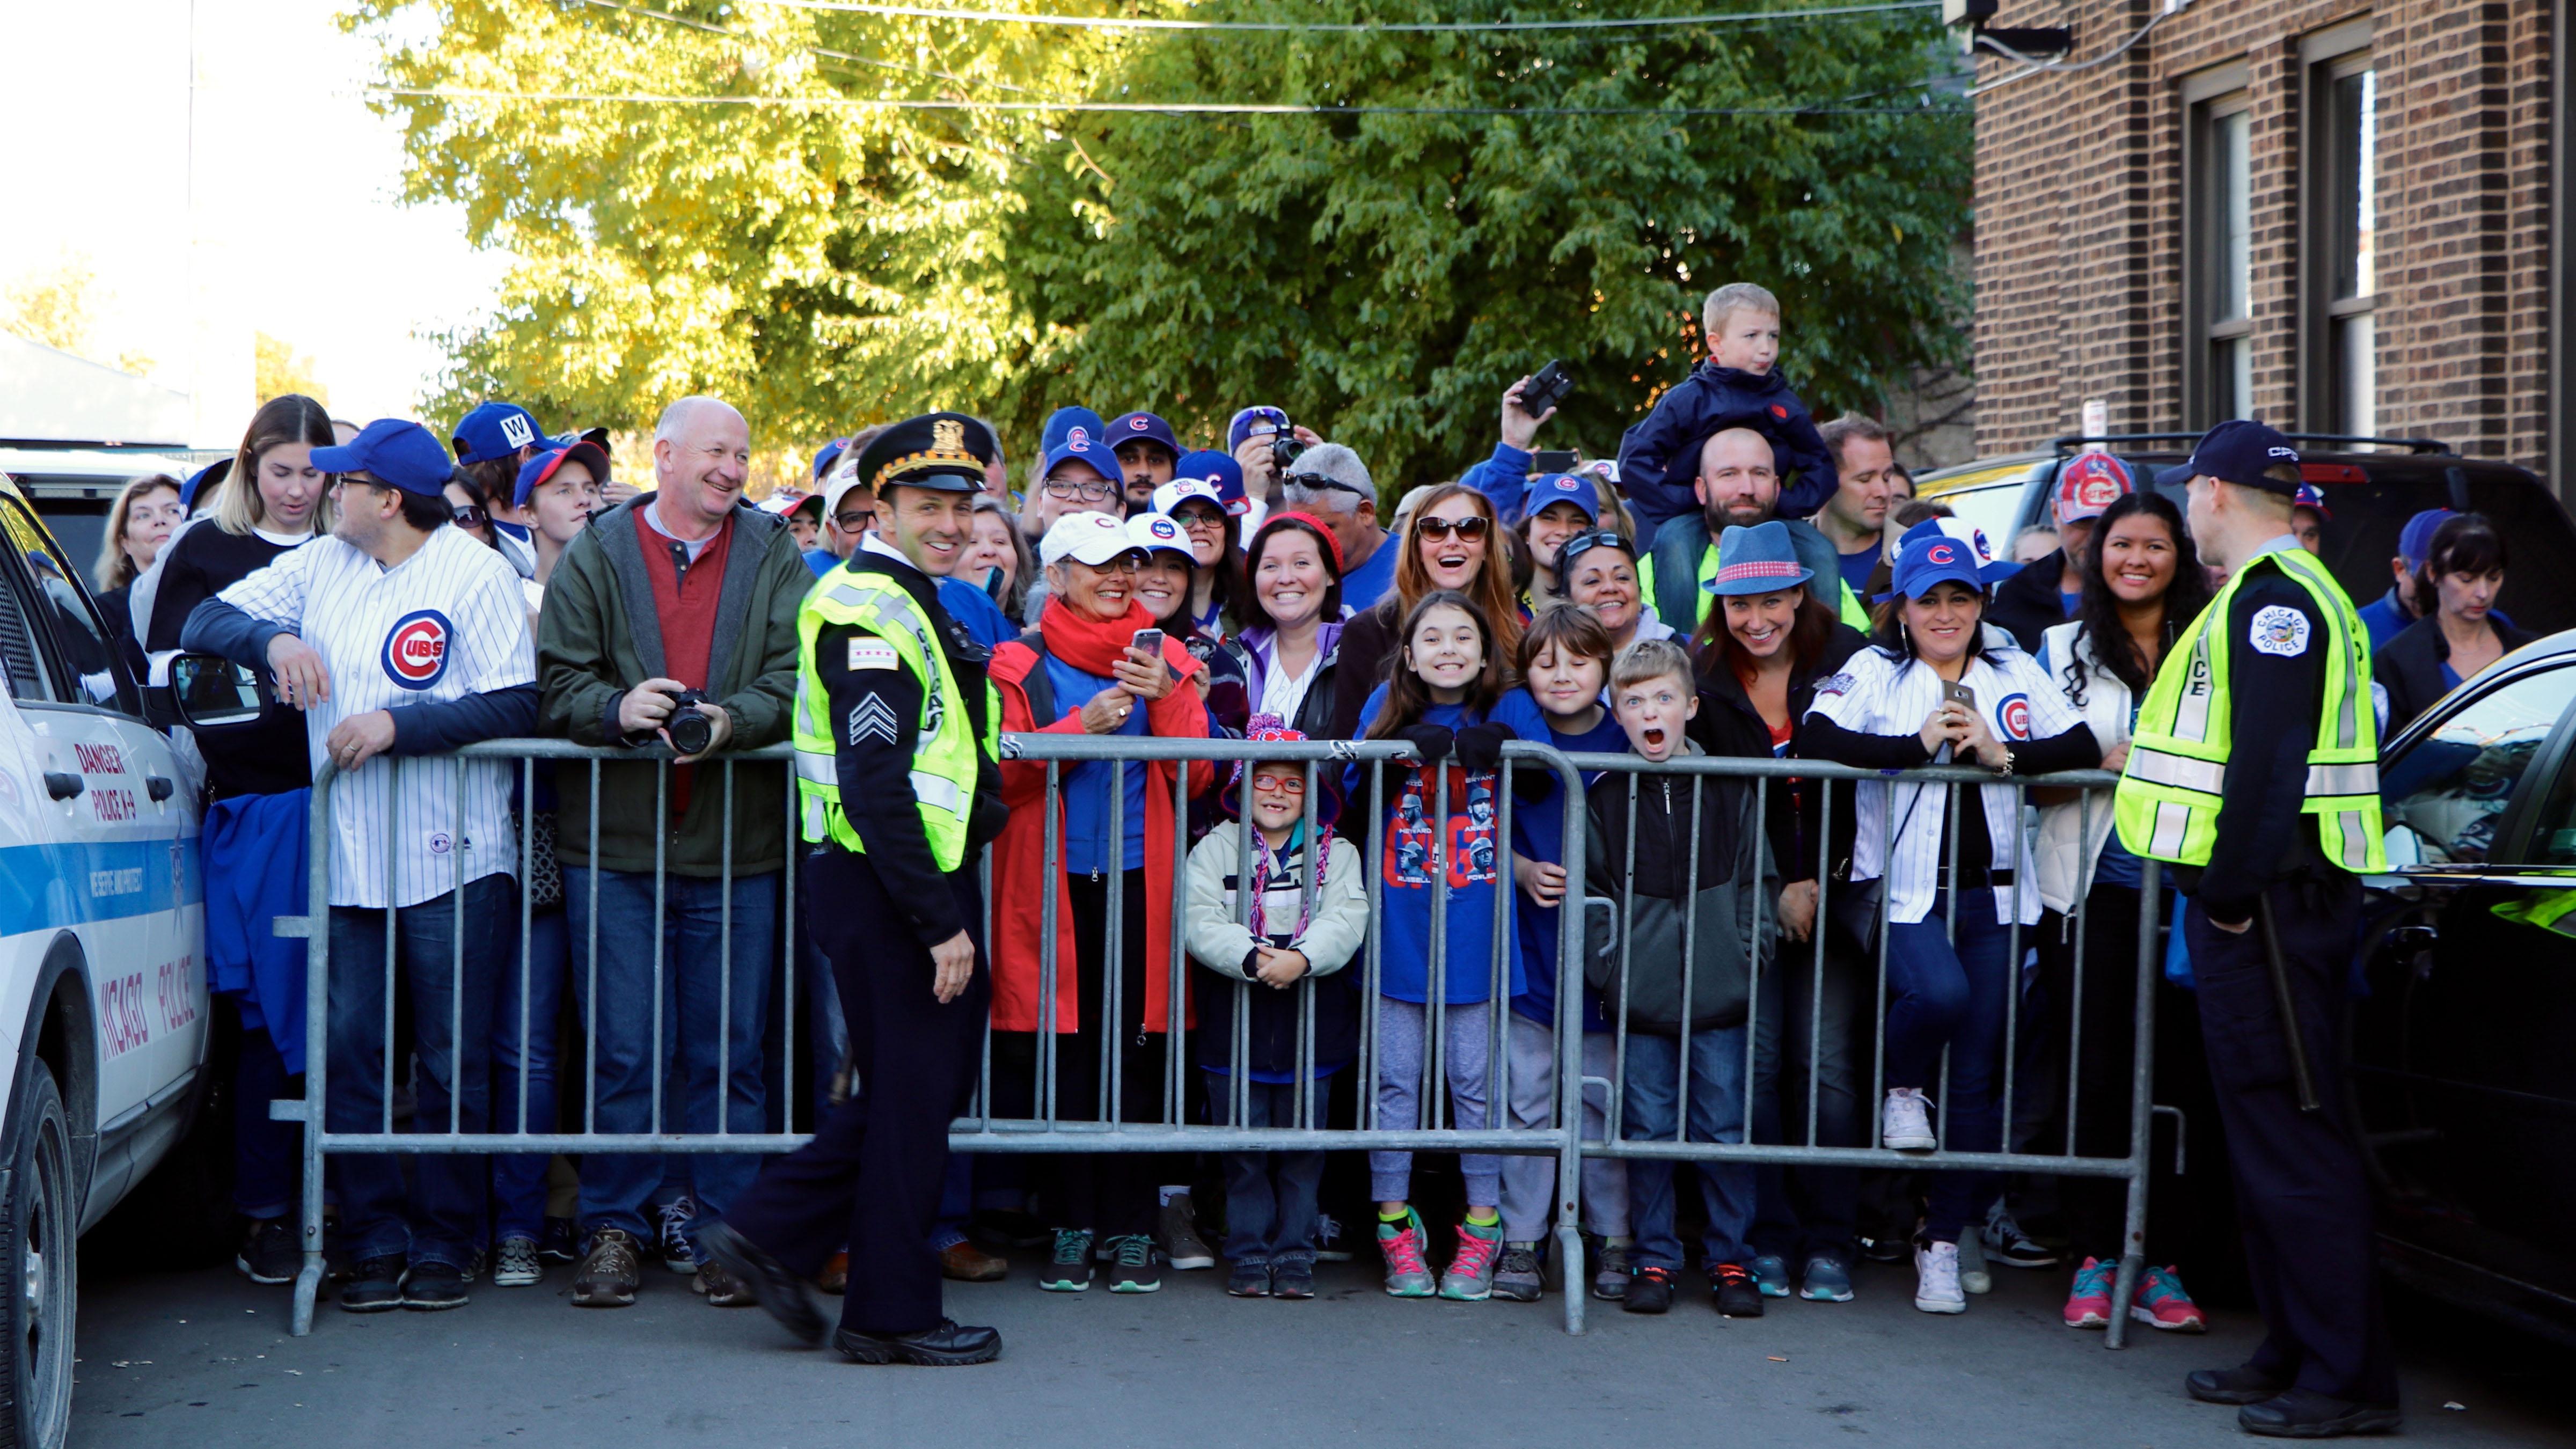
(1172, 108)
(1120, 22)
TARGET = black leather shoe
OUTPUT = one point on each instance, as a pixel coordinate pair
(2306, 1414)
(770, 1284)
(941, 1347)
(2242, 1385)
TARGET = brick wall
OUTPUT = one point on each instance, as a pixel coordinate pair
(2079, 255)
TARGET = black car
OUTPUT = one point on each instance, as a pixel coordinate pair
(2371, 486)
(2463, 1032)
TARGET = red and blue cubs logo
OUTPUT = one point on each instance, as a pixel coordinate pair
(1077, 438)
(1942, 552)
(416, 651)
(1138, 425)
(2015, 714)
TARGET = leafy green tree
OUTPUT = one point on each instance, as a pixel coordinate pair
(1383, 276)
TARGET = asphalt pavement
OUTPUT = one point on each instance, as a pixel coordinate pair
(202, 1358)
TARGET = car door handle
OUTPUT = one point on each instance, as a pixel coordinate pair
(159, 787)
(2409, 940)
(63, 786)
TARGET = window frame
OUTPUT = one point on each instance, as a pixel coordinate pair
(2326, 59)
(62, 683)
(2207, 98)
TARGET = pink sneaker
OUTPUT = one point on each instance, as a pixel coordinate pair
(2161, 1303)
(2088, 1303)
(1407, 1276)
(1470, 1278)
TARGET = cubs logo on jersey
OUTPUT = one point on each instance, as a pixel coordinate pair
(415, 652)
(2014, 713)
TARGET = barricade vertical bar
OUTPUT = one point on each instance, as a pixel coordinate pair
(1688, 902)
(1816, 932)
(590, 997)
(790, 986)
(1310, 891)
(1176, 1019)
(984, 1055)
(1753, 952)
(1570, 937)
(317, 1044)
(527, 909)
(1616, 1126)
(456, 847)
(1238, 1083)
(2012, 966)
(2142, 1075)
(393, 887)
(1113, 963)
(1498, 1069)
(661, 921)
(1050, 891)
(1950, 929)
(2147, 916)
(1886, 910)
(1435, 1010)
(1373, 872)
(724, 976)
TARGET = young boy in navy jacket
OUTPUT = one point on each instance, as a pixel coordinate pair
(1735, 388)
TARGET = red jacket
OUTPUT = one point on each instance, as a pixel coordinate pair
(1019, 855)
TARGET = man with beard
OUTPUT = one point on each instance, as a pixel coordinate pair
(1738, 486)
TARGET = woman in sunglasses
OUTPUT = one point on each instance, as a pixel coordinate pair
(473, 508)
(1597, 570)
(1451, 541)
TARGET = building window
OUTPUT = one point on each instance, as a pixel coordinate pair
(2345, 183)
(2218, 240)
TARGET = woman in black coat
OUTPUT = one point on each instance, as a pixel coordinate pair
(2463, 572)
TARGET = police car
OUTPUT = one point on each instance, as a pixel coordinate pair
(102, 954)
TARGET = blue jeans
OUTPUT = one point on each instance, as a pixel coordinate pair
(1650, 1105)
(625, 1059)
(440, 1217)
(1270, 1197)
(1954, 994)
(519, 1178)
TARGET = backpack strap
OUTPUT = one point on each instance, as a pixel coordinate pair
(1039, 687)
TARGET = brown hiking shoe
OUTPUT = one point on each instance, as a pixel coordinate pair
(967, 1263)
(722, 1288)
(610, 1273)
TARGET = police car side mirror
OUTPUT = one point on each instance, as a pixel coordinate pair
(212, 692)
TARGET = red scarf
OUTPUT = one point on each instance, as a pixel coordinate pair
(1091, 645)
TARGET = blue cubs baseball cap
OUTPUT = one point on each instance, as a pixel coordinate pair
(1762, 559)
(1549, 489)
(534, 472)
(2415, 540)
(2238, 450)
(827, 455)
(210, 476)
(396, 452)
(1222, 476)
(495, 430)
(2309, 497)
(1942, 550)
(1241, 426)
(1078, 433)
(1142, 427)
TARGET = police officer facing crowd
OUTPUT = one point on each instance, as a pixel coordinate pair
(895, 733)
(2254, 769)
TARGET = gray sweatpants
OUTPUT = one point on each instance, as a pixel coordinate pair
(1402, 1029)
(1529, 1183)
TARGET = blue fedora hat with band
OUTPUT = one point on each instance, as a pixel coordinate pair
(1757, 560)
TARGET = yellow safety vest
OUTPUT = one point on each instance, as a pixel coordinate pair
(1850, 608)
(944, 755)
(2167, 805)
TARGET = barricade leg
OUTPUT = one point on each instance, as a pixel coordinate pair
(2142, 1069)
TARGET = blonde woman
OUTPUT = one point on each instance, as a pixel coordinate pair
(146, 511)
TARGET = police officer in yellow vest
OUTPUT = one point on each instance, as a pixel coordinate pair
(898, 790)
(2254, 772)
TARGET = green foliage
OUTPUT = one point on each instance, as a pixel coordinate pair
(1383, 277)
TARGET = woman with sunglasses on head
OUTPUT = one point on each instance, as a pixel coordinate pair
(1935, 690)
(1449, 543)
(2143, 584)
(1598, 571)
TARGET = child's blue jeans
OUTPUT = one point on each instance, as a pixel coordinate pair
(1651, 1107)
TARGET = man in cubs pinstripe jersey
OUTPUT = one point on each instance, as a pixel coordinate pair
(400, 635)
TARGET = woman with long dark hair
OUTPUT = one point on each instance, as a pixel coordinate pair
(2459, 633)
(1451, 541)
(2143, 585)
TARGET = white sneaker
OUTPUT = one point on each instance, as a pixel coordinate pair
(1908, 1124)
(1973, 1277)
(1936, 1279)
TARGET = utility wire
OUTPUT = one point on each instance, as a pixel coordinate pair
(1175, 108)
(1107, 22)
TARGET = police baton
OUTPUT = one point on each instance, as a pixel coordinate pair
(2299, 1075)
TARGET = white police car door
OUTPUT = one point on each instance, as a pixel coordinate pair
(118, 834)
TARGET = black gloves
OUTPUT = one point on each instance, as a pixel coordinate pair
(1480, 746)
(1431, 741)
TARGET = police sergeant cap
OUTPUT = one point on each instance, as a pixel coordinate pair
(941, 451)
(2238, 450)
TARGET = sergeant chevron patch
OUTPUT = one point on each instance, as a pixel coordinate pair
(872, 718)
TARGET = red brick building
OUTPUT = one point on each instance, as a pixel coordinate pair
(2342, 216)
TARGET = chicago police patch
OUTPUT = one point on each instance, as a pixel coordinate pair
(2279, 630)
(415, 654)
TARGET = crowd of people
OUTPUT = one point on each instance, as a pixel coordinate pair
(1737, 581)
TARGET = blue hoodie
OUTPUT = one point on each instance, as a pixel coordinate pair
(1479, 862)
(1659, 457)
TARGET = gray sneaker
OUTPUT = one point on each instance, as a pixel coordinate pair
(1470, 1278)
(1517, 1277)
(1770, 1275)
(517, 1265)
(609, 1276)
(1828, 1281)
(1181, 1240)
(1610, 1276)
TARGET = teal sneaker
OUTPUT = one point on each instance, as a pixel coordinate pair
(1828, 1281)
(2161, 1303)
(1770, 1274)
(1407, 1276)
(1069, 1269)
(1470, 1278)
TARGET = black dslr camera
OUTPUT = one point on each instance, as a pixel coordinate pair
(690, 731)
(1284, 449)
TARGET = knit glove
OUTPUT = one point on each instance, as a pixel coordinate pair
(1430, 741)
(1480, 746)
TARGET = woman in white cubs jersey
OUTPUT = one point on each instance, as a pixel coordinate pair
(1941, 689)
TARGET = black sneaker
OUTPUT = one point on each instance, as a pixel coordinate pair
(947, 1345)
(1137, 1264)
(433, 1286)
(1069, 1269)
(269, 1252)
(559, 1241)
(1248, 1280)
(1008, 1228)
(1650, 1290)
(1517, 1276)
(1885, 1250)
(1292, 1278)
(375, 1284)
(1738, 1296)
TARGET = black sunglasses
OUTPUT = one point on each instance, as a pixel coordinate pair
(1583, 543)
(472, 517)
(1471, 526)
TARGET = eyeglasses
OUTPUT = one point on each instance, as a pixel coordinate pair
(470, 517)
(1065, 490)
(1280, 784)
(1198, 518)
(1473, 525)
(853, 522)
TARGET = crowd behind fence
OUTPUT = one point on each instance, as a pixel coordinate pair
(1590, 936)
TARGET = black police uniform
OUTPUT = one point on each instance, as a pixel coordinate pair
(2301, 1191)
(871, 1178)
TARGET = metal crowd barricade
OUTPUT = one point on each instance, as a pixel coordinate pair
(1197, 1110)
